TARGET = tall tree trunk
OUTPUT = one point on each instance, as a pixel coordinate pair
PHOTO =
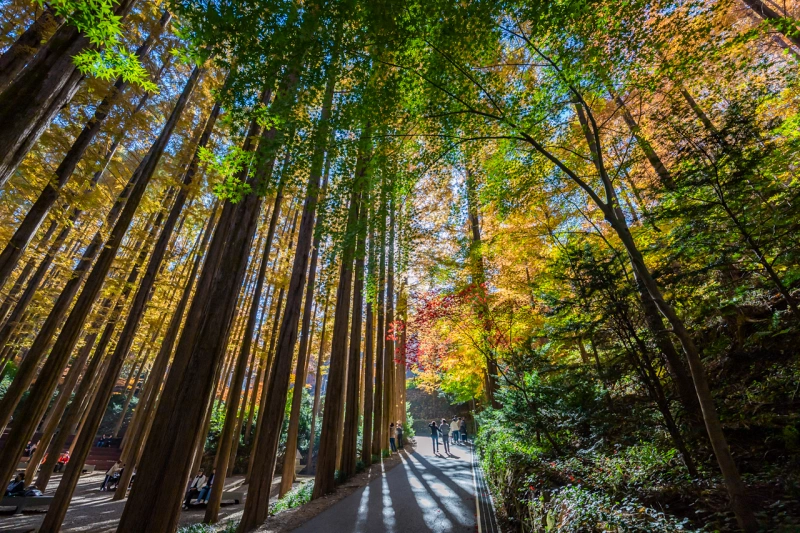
(380, 439)
(388, 363)
(369, 353)
(312, 463)
(20, 53)
(42, 390)
(653, 319)
(351, 419)
(479, 281)
(11, 254)
(149, 402)
(165, 463)
(256, 507)
(335, 389)
(288, 473)
(34, 98)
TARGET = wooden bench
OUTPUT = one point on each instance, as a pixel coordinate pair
(22, 466)
(236, 496)
(88, 469)
(21, 502)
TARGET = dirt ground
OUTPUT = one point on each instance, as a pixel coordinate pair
(94, 511)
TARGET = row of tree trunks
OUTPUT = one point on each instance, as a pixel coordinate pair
(178, 423)
(20, 53)
(353, 394)
(42, 391)
(11, 254)
(337, 374)
(34, 356)
(73, 419)
(136, 435)
(30, 103)
(229, 438)
(288, 473)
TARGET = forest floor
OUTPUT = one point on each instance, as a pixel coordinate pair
(94, 511)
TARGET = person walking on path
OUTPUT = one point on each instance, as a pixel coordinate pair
(194, 488)
(454, 429)
(392, 434)
(399, 431)
(116, 467)
(444, 429)
(463, 429)
(434, 436)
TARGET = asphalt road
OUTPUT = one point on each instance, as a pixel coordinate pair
(427, 493)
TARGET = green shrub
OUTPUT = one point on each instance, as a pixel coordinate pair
(294, 498)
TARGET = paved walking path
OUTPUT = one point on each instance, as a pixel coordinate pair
(427, 493)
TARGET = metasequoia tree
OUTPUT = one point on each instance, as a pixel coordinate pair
(38, 211)
(266, 447)
(32, 100)
(40, 393)
(301, 371)
(380, 440)
(335, 389)
(351, 418)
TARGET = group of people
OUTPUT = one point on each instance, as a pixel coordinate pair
(447, 430)
(105, 441)
(396, 436)
(199, 488)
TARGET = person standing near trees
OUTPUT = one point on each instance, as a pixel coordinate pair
(463, 429)
(454, 429)
(399, 432)
(392, 434)
(434, 436)
(444, 429)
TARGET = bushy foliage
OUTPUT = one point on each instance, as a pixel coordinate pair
(294, 498)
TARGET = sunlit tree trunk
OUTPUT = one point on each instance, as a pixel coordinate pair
(335, 389)
(32, 100)
(288, 473)
(266, 446)
(19, 241)
(20, 53)
(380, 439)
(369, 349)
